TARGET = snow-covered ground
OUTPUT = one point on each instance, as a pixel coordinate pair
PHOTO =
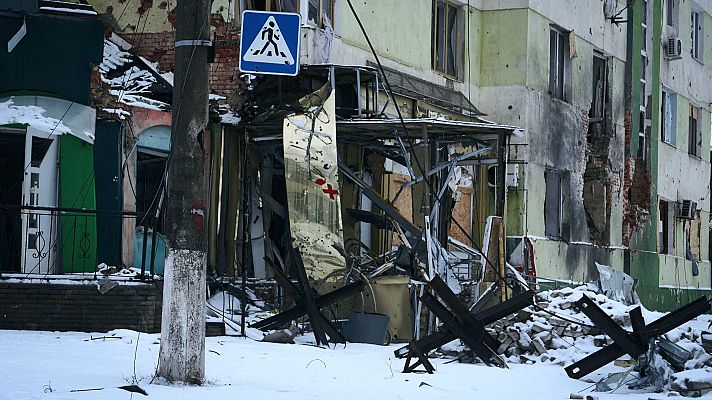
(53, 365)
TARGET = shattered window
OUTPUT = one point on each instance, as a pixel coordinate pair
(553, 203)
(321, 12)
(271, 5)
(671, 8)
(696, 33)
(447, 38)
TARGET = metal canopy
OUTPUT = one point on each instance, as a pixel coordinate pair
(436, 128)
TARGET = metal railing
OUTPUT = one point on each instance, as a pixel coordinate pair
(46, 241)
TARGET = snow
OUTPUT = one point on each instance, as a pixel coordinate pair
(68, 10)
(11, 113)
(132, 85)
(52, 365)
(49, 365)
(230, 119)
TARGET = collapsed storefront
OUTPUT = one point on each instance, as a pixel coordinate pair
(315, 177)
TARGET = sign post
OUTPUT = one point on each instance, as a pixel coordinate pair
(269, 43)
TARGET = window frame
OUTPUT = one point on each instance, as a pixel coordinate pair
(457, 52)
(666, 233)
(559, 175)
(697, 32)
(302, 8)
(694, 140)
(320, 19)
(668, 98)
(559, 63)
(672, 10)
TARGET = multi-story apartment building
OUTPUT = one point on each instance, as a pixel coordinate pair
(667, 151)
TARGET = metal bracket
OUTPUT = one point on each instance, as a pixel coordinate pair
(194, 42)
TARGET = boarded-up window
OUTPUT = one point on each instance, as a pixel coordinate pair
(693, 235)
(553, 203)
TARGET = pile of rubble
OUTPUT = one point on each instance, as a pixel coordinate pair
(554, 331)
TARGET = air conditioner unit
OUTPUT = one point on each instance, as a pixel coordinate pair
(687, 209)
(673, 48)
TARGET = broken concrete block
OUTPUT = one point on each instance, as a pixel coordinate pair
(572, 333)
(560, 330)
(692, 380)
(504, 346)
(524, 341)
(514, 335)
(538, 327)
(538, 346)
(544, 337)
(280, 336)
(523, 315)
(501, 336)
(555, 321)
(706, 340)
(542, 304)
(513, 351)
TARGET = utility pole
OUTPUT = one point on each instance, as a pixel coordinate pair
(182, 352)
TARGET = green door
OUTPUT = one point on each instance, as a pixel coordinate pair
(76, 190)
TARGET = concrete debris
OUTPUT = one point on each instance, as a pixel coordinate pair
(617, 285)
(693, 382)
(556, 332)
(282, 335)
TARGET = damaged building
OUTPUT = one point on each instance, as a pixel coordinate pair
(506, 131)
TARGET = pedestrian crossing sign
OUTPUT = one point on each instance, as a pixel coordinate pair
(269, 43)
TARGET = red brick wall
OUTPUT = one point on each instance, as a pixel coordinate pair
(224, 73)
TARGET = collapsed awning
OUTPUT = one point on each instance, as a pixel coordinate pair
(51, 115)
(435, 127)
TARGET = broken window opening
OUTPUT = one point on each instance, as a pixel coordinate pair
(668, 109)
(600, 88)
(553, 204)
(320, 12)
(666, 227)
(270, 5)
(671, 8)
(559, 62)
(448, 42)
(696, 33)
(694, 142)
(315, 12)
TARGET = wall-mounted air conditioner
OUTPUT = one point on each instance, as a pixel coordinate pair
(687, 209)
(673, 48)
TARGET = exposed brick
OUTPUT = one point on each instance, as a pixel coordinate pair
(48, 306)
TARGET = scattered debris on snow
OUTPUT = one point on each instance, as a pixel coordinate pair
(555, 332)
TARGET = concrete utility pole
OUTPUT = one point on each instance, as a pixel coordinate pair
(182, 353)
